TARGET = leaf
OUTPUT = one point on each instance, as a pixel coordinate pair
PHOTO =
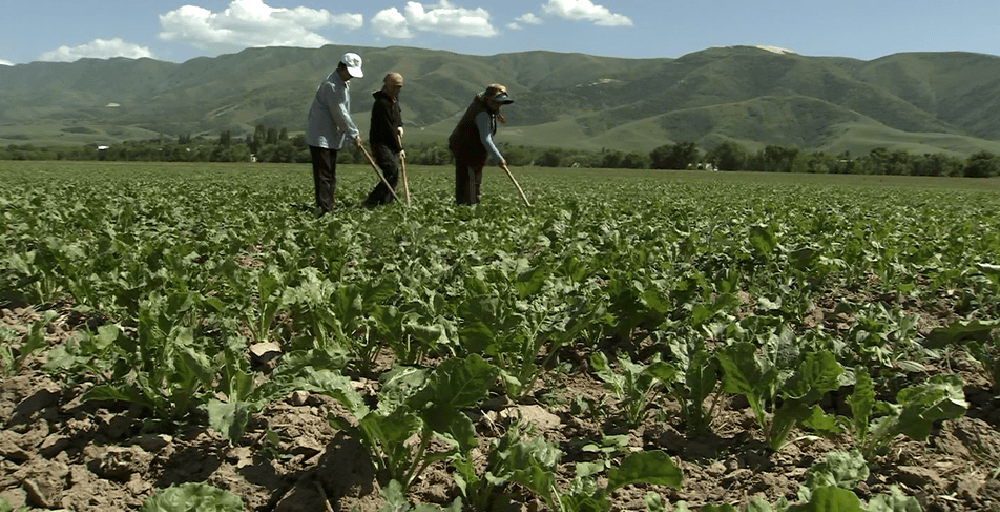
(653, 467)
(395, 498)
(838, 469)
(758, 504)
(830, 499)
(654, 502)
(390, 432)
(819, 421)
(895, 501)
(229, 419)
(335, 385)
(961, 332)
(457, 383)
(862, 403)
(818, 374)
(107, 335)
(663, 372)
(746, 375)
(717, 508)
(453, 425)
(589, 468)
(762, 239)
(941, 397)
(531, 281)
(193, 496)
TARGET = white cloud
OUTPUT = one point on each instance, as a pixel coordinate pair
(391, 23)
(530, 19)
(97, 49)
(252, 23)
(441, 18)
(584, 10)
(6, 63)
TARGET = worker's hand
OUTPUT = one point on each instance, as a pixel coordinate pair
(402, 154)
(400, 130)
(358, 142)
(503, 164)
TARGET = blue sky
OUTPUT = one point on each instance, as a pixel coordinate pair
(64, 30)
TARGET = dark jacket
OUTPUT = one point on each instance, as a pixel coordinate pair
(464, 142)
(386, 118)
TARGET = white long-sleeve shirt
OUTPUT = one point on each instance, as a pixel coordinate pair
(330, 114)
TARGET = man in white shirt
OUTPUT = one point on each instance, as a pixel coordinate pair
(329, 125)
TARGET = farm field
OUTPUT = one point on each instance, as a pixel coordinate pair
(635, 340)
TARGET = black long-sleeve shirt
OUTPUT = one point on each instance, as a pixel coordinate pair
(386, 119)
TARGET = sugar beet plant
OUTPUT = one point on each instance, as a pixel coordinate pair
(721, 285)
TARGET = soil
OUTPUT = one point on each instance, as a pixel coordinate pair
(58, 453)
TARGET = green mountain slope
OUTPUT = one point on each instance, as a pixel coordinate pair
(922, 101)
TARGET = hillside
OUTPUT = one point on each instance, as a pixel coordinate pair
(917, 101)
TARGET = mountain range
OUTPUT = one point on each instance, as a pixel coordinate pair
(922, 102)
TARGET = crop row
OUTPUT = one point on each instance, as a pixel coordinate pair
(793, 297)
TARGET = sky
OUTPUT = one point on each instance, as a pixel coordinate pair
(67, 30)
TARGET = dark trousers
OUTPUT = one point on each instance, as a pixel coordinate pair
(387, 160)
(468, 179)
(324, 162)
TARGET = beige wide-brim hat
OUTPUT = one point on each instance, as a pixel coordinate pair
(498, 93)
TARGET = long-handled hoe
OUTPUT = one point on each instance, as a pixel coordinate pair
(402, 170)
(511, 176)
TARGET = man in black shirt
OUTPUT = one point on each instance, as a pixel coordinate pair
(385, 137)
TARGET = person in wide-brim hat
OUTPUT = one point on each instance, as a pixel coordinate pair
(472, 142)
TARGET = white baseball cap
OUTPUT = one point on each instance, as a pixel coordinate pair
(353, 63)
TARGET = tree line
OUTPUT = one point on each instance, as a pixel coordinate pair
(273, 144)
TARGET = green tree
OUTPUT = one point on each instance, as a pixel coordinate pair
(675, 156)
(635, 160)
(728, 156)
(611, 158)
(982, 165)
(550, 158)
(774, 158)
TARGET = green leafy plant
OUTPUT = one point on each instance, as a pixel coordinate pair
(166, 368)
(193, 496)
(520, 328)
(875, 424)
(651, 467)
(513, 458)
(610, 447)
(308, 370)
(395, 501)
(424, 405)
(978, 338)
(34, 341)
(696, 378)
(749, 374)
(634, 384)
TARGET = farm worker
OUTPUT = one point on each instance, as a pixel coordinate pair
(385, 137)
(472, 142)
(329, 125)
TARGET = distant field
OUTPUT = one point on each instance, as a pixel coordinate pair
(353, 177)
